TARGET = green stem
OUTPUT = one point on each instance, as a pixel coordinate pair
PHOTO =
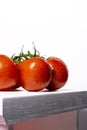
(22, 56)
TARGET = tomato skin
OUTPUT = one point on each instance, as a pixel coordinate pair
(8, 73)
(59, 73)
(35, 74)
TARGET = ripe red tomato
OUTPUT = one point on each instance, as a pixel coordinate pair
(59, 73)
(8, 73)
(35, 73)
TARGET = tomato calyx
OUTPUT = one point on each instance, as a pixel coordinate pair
(23, 56)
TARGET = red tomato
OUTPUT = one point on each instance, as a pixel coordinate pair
(35, 74)
(8, 73)
(59, 73)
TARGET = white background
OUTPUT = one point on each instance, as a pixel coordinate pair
(57, 27)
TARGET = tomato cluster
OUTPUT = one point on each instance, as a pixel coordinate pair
(32, 72)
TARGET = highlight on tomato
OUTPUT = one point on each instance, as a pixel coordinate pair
(8, 73)
(59, 73)
(34, 73)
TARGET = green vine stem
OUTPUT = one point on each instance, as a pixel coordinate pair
(23, 56)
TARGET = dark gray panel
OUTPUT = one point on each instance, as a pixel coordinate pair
(82, 119)
(25, 108)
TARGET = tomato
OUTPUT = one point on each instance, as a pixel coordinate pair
(35, 73)
(18, 83)
(8, 73)
(59, 73)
